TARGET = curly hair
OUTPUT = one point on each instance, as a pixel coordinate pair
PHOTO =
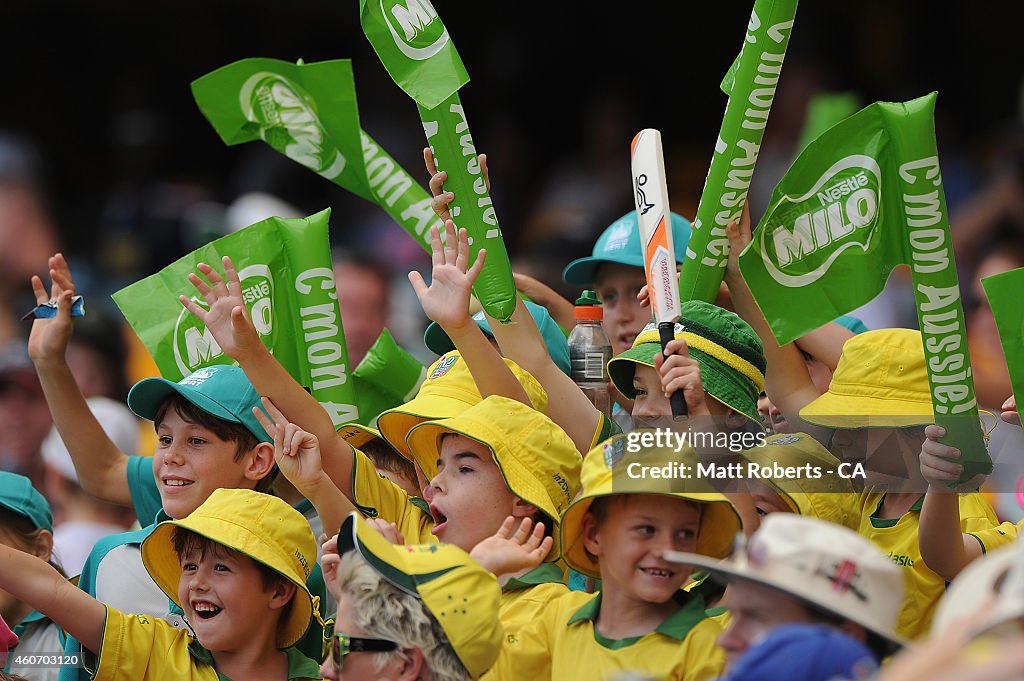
(383, 610)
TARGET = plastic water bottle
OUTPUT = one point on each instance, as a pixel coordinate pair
(589, 352)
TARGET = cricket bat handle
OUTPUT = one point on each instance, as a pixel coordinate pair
(678, 400)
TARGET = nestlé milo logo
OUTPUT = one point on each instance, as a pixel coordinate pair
(289, 123)
(415, 28)
(194, 345)
(803, 235)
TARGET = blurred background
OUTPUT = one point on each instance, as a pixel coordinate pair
(104, 155)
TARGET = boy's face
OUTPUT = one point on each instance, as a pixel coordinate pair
(650, 402)
(756, 610)
(891, 456)
(470, 499)
(766, 499)
(631, 539)
(225, 599)
(617, 286)
(190, 462)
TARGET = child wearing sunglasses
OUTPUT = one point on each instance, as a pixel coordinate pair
(426, 611)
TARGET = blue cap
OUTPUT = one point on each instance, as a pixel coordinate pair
(221, 390)
(437, 340)
(18, 495)
(804, 652)
(620, 243)
(852, 323)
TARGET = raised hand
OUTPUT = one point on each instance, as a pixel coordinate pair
(226, 318)
(679, 371)
(446, 300)
(506, 552)
(442, 198)
(1009, 410)
(389, 530)
(296, 452)
(739, 236)
(49, 338)
(329, 562)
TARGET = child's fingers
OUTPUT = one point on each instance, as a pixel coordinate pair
(193, 307)
(62, 279)
(265, 421)
(505, 531)
(419, 286)
(238, 319)
(200, 285)
(544, 549)
(934, 432)
(39, 291)
(428, 160)
(212, 275)
(272, 409)
(477, 267)
(230, 274)
(677, 346)
(523, 531)
(436, 248)
(296, 436)
(462, 250)
(451, 242)
(536, 537)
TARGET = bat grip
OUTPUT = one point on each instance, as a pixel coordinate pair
(666, 330)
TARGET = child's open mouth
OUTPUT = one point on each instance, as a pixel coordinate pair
(205, 610)
(440, 520)
(176, 482)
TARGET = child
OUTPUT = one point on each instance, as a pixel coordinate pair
(26, 525)
(388, 463)
(798, 569)
(427, 611)
(236, 566)
(829, 496)
(618, 530)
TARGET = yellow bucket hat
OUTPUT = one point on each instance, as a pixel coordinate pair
(261, 526)
(829, 497)
(606, 473)
(538, 461)
(461, 595)
(357, 436)
(880, 382)
(448, 391)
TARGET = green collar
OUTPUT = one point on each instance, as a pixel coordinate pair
(545, 573)
(882, 523)
(299, 666)
(677, 625)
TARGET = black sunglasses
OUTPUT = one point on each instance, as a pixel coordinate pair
(343, 644)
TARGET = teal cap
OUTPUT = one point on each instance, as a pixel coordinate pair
(437, 340)
(222, 390)
(620, 243)
(18, 495)
(852, 323)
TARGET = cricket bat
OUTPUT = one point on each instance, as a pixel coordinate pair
(650, 191)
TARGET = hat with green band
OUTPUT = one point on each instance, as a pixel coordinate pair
(728, 351)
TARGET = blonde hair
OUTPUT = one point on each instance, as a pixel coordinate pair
(384, 611)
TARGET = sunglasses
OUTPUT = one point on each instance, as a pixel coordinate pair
(343, 644)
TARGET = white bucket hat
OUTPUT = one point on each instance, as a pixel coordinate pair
(119, 423)
(999, 573)
(826, 566)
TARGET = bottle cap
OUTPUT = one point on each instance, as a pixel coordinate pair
(588, 306)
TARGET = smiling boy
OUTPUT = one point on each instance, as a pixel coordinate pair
(236, 566)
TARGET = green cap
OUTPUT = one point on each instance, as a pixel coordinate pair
(620, 243)
(18, 495)
(222, 390)
(730, 355)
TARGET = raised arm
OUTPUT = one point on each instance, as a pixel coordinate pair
(520, 340)
(944, 548)
(102, 468)
(787, 382)
(825, 343)
(32, 580)
(446, 301)
(297, 454)
(228, 321)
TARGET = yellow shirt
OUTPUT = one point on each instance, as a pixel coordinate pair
(998, 535)
(377, 497)
(563, 644)
(898, 538)
(524, 599)
(141, 648)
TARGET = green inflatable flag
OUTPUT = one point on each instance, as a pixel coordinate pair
(1004, 292)
(387, 377)
(413, 44)
(862, 198)
(288, 286)
(750, 84)
(308, 112)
